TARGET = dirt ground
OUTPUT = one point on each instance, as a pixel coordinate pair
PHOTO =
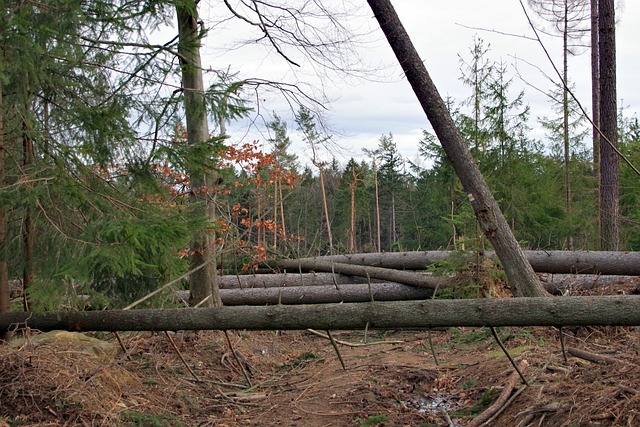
(296, 379)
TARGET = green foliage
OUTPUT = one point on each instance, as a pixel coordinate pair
(372, 420)
(479, 406)
(141, 419)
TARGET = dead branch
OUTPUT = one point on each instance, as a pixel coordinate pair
(502, 399)
(593, 357)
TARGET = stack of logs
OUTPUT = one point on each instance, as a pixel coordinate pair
(402, 276)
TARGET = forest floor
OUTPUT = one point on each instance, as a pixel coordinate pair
(297, 379)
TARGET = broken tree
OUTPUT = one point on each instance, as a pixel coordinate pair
(493, 224)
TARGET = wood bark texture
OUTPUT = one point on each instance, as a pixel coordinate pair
(609, 185)
(560, 311)
(322, 294)
(567, 262)
(406, 277)
(493, 224)
(203, 281)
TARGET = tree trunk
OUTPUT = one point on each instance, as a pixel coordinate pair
(569, 262)
(562, 311)
(609, 199)
(406, 277)
(287, 279)
(323, 294)
(561, 283)
(28, 233)
(306, 290)
(5, 293)
(325, 207)
(520, 274)
(565, 116)
(553, 282)
(595, 86)
(375, 182)
(203, 282)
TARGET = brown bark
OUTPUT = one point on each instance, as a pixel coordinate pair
(565, 311)
(352, 224)
(609, 197)
(203, 282)
(567, 262)
(493, 224)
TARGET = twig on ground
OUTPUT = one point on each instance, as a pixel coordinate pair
(433, 350)
(446, 417)
(503, 399)
(564, 352)
(504, 349)
(117, 334)
(175, 347)
(337, 350)
(350, 344)
(238, 361)
(593, 357)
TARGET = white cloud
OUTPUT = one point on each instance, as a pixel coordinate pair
(363, 110)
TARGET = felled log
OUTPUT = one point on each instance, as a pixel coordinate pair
(319, 288)
(560, 283)
(387, 274)
(320, 294)
(568, 262)
(554, 283)
(539, 311)
(286, 279)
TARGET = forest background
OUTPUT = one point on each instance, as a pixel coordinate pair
(97, 168)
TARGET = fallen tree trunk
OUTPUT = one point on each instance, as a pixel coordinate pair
(536, 311)
(269, 280)
(399, 276)
(319, 293)
(558, 283)
(322, 294)
(567, 262)
(553, 283)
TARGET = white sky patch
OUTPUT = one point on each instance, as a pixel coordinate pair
(361, 110)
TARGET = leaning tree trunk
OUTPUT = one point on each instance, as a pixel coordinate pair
(567, 311)
(520, 274)
(609, 199)
(203, 283)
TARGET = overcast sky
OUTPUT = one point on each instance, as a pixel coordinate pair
(362, 110)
